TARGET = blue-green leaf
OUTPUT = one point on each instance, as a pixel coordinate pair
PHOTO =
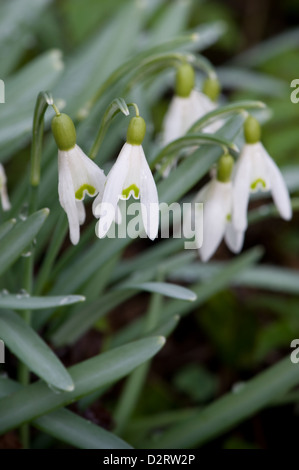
(24, 301)
(19, 238)
(33, 351)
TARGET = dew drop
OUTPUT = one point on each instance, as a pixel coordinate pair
(23, 212)
(23, 293)
(238, 386)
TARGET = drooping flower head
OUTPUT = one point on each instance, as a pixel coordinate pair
(3, 190)
(256, 171)
(188, 105)
(77, 174)
(217, 199)
(130, 176)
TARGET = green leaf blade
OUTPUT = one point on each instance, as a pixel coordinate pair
(169, 290)
(68, 427)
(38, 399)
(13, 244)
(6, 227)
(33, 351)
(232, 408)
(25, 302)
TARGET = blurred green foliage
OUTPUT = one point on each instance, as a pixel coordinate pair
(236, 332)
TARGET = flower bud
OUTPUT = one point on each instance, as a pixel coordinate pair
(185, 80)
(136, 131)
(252, 130)
(211, 88)
(224, 168)
(64, 132)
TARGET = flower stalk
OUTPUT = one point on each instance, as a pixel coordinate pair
(44, 99)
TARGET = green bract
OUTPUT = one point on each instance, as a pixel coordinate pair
(136, 131)
(64, 131)
(185, 80)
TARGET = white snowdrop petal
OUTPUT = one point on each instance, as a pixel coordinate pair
(216, 207)
(95, 175)
(81, 211)
(201, 195)
(168, 168)
(201, 104)
(118, 216)
(233, 238)
(77, 169)
(5, 199)
(259, 179)
(241, 190)
(173, 128)
(279, 189)
(67, 197)
(148, 199)
(131, 185)
(182, 114)
(189, 215)
(106, 207)
(3, 190)
(173, 121)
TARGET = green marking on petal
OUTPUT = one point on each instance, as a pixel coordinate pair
(131, 189)
(229, 217)
(255, 184)
(79, 194)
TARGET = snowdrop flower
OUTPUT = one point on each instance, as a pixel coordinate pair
(217, 199)
(3, 190)
(77, 174)
(255, 170)
(130, 176)
(188, 105)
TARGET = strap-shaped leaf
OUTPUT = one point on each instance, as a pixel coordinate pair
(20, 94)
(232, 408)
(79, 322)
(6, 227)
(231, 108)
(14, 242)
(33, 351)
(190, 140)
(69, 427)
(203, 290)
(23, 301)
(165, 288)
(265, 276)
(38, 399)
